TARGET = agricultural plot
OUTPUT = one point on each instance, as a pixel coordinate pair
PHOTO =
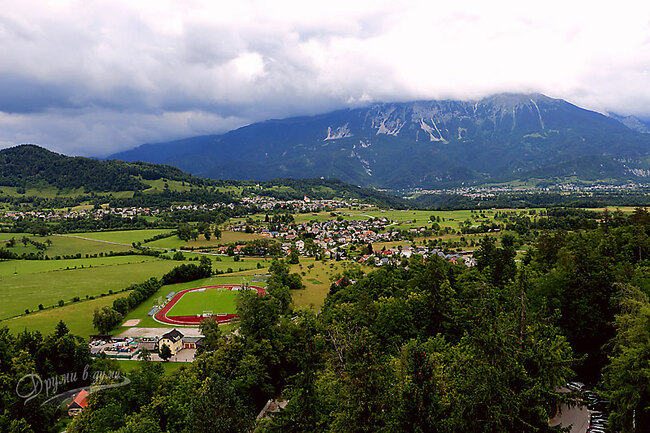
(19, 292)
(124, 236)
(67, 245)
(17, 236)
(22, 267)
(174, 242)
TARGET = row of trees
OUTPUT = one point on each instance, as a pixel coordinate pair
(107, 318)
(189, 272)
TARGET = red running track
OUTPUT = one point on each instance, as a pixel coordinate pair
(161, 315)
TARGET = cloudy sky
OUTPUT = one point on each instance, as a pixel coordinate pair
(94, 77)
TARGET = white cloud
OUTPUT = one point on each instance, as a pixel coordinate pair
(96, 77)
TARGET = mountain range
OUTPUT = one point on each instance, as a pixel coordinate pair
(422, 144)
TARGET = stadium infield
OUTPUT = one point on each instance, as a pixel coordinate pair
(187, 307)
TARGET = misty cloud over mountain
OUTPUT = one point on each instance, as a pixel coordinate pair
(96, 78)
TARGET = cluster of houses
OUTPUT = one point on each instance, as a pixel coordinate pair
(328, 234)
(304, 205)
(52, 215)
(492, 191)
(264, 203)
(392, 255)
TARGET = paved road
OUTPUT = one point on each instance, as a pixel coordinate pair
(576, 416)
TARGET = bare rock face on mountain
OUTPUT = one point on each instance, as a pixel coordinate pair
(420, 144)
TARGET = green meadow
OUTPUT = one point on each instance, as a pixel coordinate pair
(174, 242)
(77, 316)
(68, 244)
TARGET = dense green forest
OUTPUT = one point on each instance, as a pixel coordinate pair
(424, 346)
(30, 165)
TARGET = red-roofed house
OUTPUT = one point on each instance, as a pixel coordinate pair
(78, 403)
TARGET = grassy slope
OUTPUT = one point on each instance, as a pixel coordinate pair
(78, 317)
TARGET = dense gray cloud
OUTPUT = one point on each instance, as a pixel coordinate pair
(95, 77)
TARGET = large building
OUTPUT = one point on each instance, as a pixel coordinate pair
(173, 339)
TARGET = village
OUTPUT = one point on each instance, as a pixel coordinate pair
(253, 203)
(343, 239)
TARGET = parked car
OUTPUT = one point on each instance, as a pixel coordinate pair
(576, 386)
(600, 406)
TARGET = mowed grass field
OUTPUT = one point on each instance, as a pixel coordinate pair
(219, 301)
(18, 292)
(78, 316)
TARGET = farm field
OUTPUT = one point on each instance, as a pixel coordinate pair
(17, 236)
(406, 219)
(124, 236)
(174, 242)
(450, 237)
(19, 292)
(77, 316)
(140, 312)
(67, 244)
(215, 300)
(409, 218)
(61, 245)
(22, 267)
(317, 281)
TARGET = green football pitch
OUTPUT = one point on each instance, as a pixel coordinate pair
(219, 301)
